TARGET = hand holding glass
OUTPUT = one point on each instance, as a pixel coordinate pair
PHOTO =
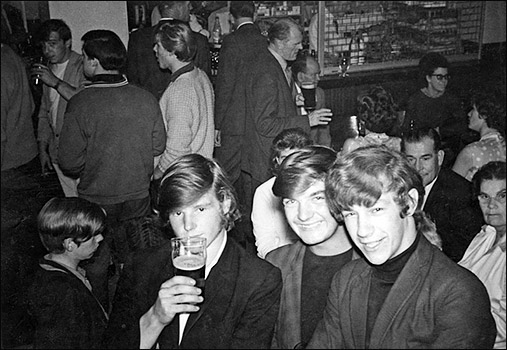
(189, 258)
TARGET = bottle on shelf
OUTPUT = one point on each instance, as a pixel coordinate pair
(217, 31)
(354, 49)
(361, 48)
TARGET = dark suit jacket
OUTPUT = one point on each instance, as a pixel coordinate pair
(451, 207)
(434, 303)
(240, 307)
(237, 48)
(142, 66)
(270, 109)
(289, 259)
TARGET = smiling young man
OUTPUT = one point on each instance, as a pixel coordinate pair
(153, 307)
(404, 293)
(308, 265)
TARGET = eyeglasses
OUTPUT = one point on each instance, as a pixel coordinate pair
(441, 76)
(485, 198)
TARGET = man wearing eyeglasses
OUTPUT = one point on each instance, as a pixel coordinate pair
(433, 106)
(447, 199)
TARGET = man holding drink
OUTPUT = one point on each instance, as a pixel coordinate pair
(62, 77)
(242, 297)
(305, 73)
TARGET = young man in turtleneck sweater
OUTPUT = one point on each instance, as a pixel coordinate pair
(404, 293)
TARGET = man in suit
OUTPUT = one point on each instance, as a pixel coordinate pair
(142, 67)
(230, 112)
(270, 105)
(448, 197)
(404, 292)
(154, 307)
(307, 266)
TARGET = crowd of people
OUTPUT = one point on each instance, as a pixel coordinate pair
(395, 240)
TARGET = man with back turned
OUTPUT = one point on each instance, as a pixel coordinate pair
(153, 307)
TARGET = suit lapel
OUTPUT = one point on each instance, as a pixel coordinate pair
(359, 304)
(435, 192)
(292, 296)
(405, 286)
(219, 286)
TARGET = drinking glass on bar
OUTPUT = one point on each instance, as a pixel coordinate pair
(189, 258)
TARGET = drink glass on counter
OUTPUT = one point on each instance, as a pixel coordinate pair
(189, 258)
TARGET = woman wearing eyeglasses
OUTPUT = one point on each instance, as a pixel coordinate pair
(433, 106)
(485, 255)
(487, 117)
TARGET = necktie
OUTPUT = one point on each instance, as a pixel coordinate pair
(290, 81)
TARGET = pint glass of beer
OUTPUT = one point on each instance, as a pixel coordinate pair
(189, 258)
(308, 90)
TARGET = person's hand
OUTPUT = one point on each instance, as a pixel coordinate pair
(45, 162)
(175, 296)
(320, 117)
(300, 100)
(218, 138)
(44, 74)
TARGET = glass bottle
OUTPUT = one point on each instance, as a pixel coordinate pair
(354, 49)
(217, 31)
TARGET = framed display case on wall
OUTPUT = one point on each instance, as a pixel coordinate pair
(370, 35)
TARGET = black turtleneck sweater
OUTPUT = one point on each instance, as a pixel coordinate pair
(383, 279)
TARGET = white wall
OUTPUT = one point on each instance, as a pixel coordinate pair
(82, 16)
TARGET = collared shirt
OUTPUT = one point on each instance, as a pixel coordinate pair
(107, 80)
(242, 24)
(185, 69)
(427, 190)
(213, 253)
(487, 261)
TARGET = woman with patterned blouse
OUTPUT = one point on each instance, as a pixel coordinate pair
(487, 116)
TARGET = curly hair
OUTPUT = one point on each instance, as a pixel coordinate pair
(293, 138)
(491, 108)
(377, 109)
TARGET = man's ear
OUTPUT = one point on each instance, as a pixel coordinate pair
(226, 205)
(69, 244)
(441, 156)
(300, 76)
(94, 62)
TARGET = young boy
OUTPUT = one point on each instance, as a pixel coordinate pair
(65, 310)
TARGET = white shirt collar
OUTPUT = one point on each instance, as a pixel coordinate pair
(427, 190)
(240, 25)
